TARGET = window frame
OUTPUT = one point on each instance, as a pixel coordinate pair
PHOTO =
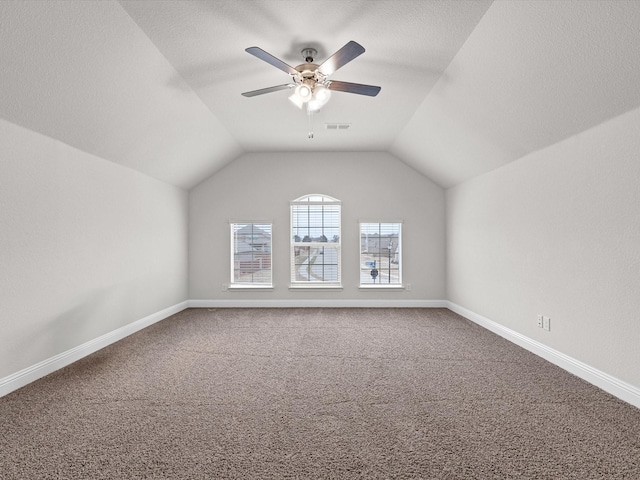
(234, 284)
(399, 254)
(309, 200)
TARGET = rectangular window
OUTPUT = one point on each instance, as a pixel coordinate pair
(251, 254)
(380, 254)
(315, 241)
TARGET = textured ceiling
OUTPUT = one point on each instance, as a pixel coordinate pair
(467, 86)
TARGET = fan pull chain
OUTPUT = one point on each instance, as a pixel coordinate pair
(310, 116)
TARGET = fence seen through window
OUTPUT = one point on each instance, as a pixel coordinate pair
(251, 246)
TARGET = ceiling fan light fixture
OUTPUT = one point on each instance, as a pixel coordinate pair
(304, 92)
(313, 106)
(321, 94)
(296, 100)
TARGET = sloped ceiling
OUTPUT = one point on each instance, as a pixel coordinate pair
(531, 74)
(467, 86)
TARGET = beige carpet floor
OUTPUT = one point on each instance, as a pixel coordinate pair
(316, 394)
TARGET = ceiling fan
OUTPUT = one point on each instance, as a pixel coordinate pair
(310, 81)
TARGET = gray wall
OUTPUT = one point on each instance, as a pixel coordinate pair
(370, 185)
(87, 246)
(557, 233)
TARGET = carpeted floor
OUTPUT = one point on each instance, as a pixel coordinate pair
(315, 394)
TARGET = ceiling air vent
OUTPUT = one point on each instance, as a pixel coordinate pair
(337, 126)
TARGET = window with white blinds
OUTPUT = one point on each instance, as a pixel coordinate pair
(251, 254)
(315, 241)
(380, 254)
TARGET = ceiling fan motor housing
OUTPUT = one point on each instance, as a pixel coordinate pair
(310, 75)
(309, 54)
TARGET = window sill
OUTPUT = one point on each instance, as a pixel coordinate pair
(381, 287)
(249, 287)
(315, 286)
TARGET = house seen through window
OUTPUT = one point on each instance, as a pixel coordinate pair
(251, 254)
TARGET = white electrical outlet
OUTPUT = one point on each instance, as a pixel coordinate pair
(546, 323)
(540, 321)
(408, 287)
(224, 287)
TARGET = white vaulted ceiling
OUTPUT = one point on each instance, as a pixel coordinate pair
(467, 86)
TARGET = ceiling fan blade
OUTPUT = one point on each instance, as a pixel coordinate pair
(343, 56)
(267, 57)
(358, 88)
(262, 91)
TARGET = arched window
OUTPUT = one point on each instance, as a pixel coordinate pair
(315, 241)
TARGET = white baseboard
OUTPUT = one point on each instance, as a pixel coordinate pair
(618, 388)
(50, 365)
(252, 303)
